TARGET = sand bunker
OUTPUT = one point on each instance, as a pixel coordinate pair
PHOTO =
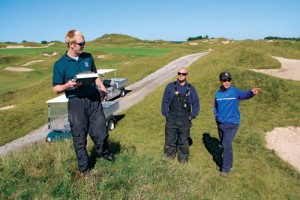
(285, 141)
(34, 61)
(23, 68)
(18, 69)
(49, 55)
(226, 42)
(7, 107)
(101, 56)
(290, 69)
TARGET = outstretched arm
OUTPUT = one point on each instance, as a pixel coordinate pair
(255, 90)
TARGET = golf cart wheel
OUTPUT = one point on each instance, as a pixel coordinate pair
(122, 94)
(111, 124)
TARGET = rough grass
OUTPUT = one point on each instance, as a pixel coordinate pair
(49, 171)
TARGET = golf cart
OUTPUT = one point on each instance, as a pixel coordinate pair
(58, 112)
(115, 86)
(58, 117)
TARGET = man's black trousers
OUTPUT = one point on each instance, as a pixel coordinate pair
(177, 132)
(86, 116)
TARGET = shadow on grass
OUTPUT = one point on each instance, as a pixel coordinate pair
(213, 146)
(114, 147)
(119, 117)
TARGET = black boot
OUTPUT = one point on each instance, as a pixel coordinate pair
(109, 156)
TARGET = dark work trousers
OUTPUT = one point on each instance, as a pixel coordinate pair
(177, 132)
(227, 133)
(86, 116)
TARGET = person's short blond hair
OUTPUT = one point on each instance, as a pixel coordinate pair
(70, 36)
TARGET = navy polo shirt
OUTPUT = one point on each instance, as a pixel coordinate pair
(66, 68)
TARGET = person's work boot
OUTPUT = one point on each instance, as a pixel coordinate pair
(184, 161)
(224, 174)
(109, 157)
(84, 173)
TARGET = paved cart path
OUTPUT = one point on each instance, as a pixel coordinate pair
(141, 88)
(138, 91)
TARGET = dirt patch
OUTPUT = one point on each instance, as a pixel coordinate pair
(18, 69)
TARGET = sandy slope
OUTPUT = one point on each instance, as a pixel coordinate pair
(285, 141)
(290, 69)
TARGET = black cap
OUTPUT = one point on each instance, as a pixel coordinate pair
(225, 75)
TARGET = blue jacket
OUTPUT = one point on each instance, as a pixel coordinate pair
(169, 94)
(226, 107)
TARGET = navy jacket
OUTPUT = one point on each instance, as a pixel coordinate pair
(170, 93)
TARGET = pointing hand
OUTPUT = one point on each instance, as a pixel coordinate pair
(255, 90)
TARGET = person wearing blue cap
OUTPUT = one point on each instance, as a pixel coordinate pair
(227, 115)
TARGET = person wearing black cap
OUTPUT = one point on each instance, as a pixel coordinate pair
(227, 116)
(180, 105)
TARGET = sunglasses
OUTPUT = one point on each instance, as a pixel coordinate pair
(226, 80)
(80, 43)
(183, 74)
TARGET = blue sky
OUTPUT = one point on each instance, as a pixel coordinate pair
(172, 20)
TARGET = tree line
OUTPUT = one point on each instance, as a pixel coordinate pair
(198, 38)
(281, 38)
(24, 41)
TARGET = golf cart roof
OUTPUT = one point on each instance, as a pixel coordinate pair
(103, 71)
(60, 99)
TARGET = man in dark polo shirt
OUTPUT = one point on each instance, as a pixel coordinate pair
(85, 111)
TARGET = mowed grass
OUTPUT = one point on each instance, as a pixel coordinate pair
(49, 171)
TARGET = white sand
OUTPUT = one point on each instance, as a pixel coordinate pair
(285, 141)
